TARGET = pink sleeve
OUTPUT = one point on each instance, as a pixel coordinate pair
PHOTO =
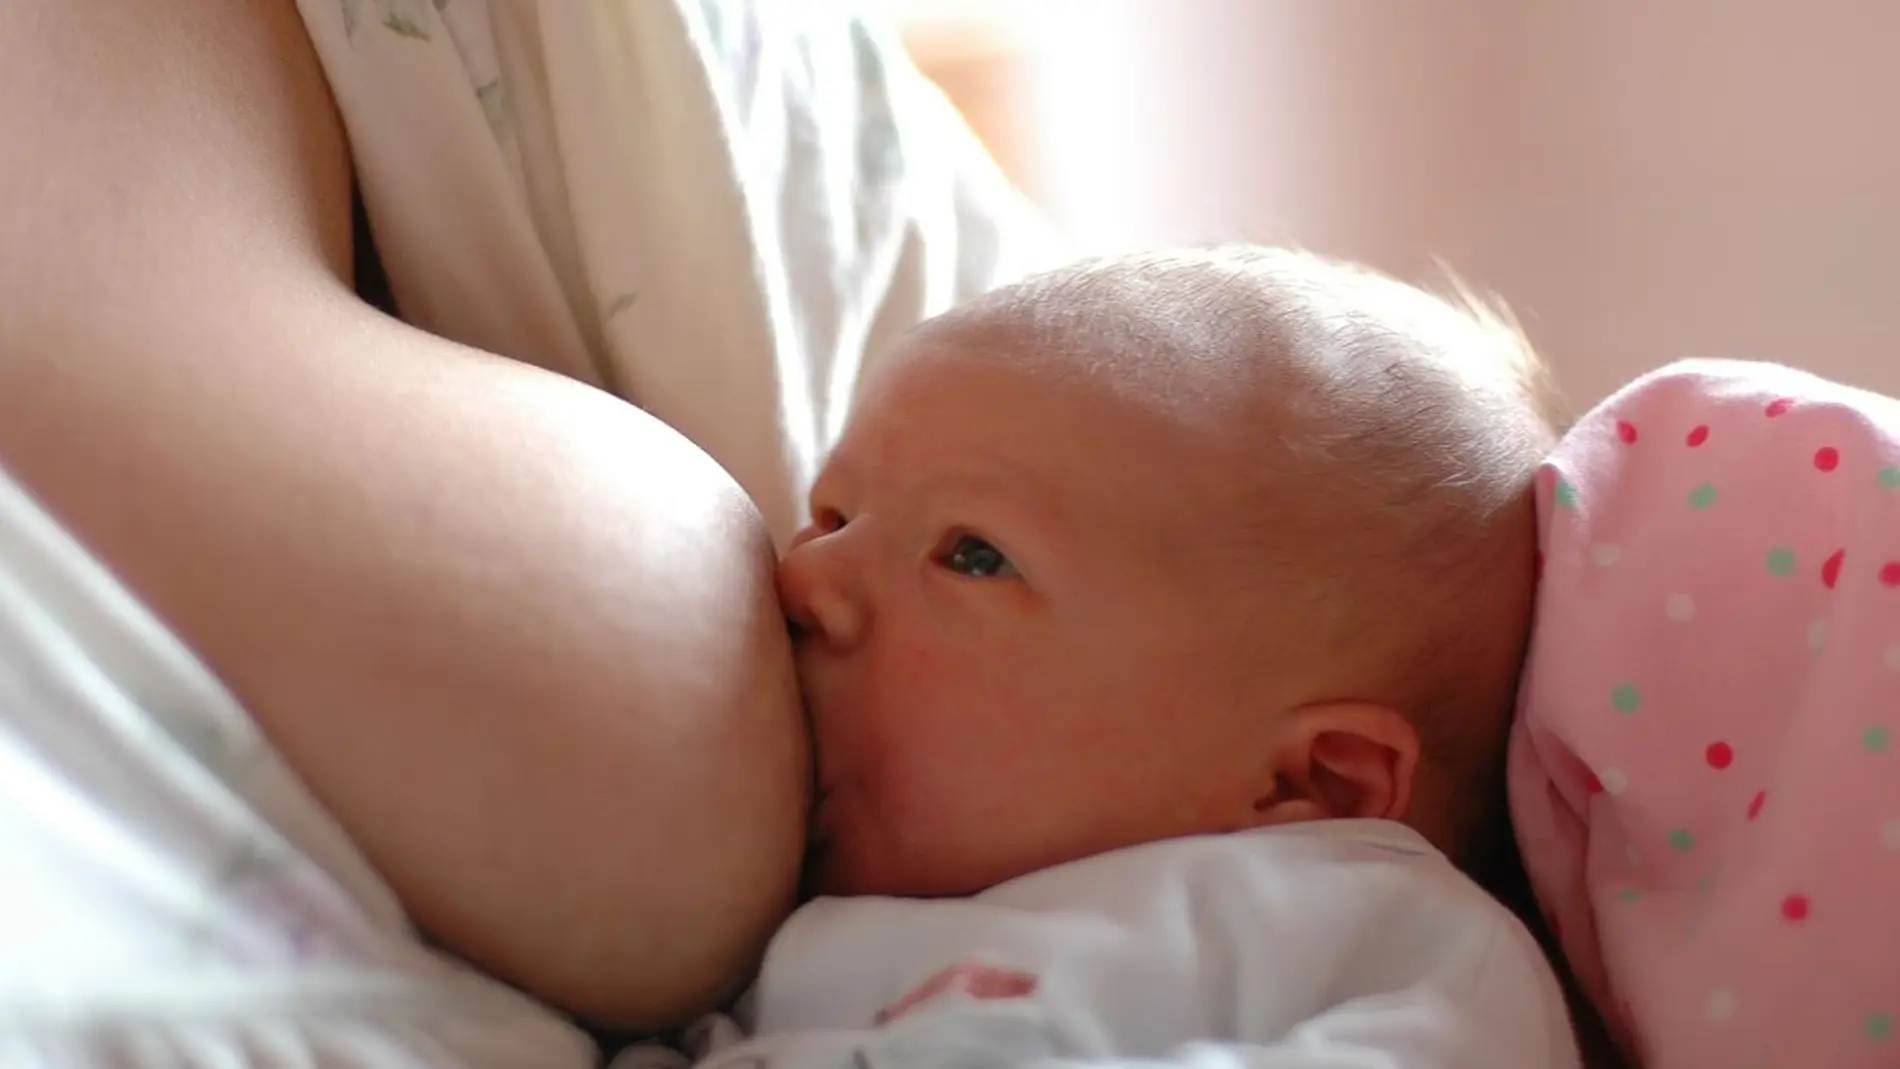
(1704, 775)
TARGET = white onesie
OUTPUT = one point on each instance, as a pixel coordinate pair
(1337, 944)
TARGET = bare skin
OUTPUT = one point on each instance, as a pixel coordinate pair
(518, 636)
(1130, 551)
(1018, 653)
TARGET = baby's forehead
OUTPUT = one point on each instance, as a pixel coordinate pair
(984, 410)
(1062, 404)
(1136, 360)
(957, 417)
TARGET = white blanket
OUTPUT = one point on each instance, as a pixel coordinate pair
(1347, 944)
(713, 208)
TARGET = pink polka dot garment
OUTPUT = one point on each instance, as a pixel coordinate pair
(1705, 773)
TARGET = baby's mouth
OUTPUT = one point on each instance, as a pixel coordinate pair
(811, 874)
(823, 790)
(811, 869)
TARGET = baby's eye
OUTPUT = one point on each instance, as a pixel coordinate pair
(973, 557)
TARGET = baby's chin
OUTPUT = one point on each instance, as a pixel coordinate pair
(813, 879)
(844, 866)
(837, 863)
(827, 873)
(829, 868)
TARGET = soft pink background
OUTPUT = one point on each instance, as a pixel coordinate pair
(1640, 180)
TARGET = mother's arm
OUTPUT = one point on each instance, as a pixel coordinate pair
(518, 636)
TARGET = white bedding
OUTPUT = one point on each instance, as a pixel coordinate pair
(715, 208)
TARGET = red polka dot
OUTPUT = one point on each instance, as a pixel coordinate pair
(1890, 573)
(1719, 755)
(1755, 803)
(1778, 407)
(1827, 458)
(1626, 431)
(1831, 568)
(1795, 907)
(1697, 436)
(1593, 785)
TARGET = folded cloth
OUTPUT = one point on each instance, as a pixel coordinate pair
(717, 209)
(1703, 773)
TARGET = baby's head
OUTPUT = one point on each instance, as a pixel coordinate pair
(1178, 544)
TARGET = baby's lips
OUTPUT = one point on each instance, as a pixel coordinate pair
(817, 843)
(810, 871)
(806, 706)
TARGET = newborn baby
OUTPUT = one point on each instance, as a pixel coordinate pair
(1159, 623)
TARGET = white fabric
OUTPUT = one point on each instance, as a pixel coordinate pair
(713, 208)
(1333, 944)
(173, 896)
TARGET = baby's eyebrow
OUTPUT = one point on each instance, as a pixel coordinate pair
(1002, 479)
(1016, 492)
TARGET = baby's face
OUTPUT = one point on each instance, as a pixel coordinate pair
(1007, 655)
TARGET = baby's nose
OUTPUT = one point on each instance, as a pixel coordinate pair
(821, 601)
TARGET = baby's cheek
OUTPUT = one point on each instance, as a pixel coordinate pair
(920, 664)
(948, 713)
(918, 767)
(922, 695)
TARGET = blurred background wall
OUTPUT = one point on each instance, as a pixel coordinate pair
(1638, 180)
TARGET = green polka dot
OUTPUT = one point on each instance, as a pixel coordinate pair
(1630, 894)
(1781, 561)
(1681, 841)
(1878, 1026)
(1626, 699)
(1566, 495)
(1874, 739)
(1890, 477)
(1702, 496)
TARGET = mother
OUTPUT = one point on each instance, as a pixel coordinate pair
(516, 634)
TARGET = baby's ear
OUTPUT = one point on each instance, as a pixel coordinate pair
(1338, 760)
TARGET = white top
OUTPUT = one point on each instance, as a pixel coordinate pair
(720, 210)
(1338, 944)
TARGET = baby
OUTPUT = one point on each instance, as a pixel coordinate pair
(1160, 622)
